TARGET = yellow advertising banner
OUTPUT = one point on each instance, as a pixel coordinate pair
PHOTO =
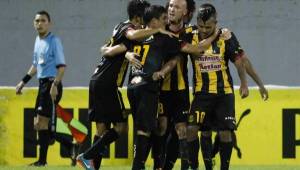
(268, 135)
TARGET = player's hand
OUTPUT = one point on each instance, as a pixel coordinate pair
(53, 92)
(225, 34)
(264, 93)
(170, 34)
(158, 76)
(19, 87)
(132, 58)
(244, 91)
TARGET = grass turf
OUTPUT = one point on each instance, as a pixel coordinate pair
(263, 167)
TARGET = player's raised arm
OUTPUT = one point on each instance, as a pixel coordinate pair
(252, 73)
(31, 72)
(144, 33)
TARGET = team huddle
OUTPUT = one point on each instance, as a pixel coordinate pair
(154, 45)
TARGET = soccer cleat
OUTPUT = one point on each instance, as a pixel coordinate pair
(85, 163)
(38, 164)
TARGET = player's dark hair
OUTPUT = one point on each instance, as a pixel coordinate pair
(191, 6)
(136, 8)
(154, 11)
(43, 12)
(206, 11)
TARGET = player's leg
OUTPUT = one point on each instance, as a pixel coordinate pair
(141, 146)
(145, 122)
(206, 148)
(226, 124)
(158, 141)
(180, 108)
(202, 106)
(193, 142)
(172, 150)
(216, 145)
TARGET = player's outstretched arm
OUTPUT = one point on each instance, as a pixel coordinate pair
(166, 69)
(252, 73)
(111, 51)
(31, 72)
(244, 91)
(140, 34)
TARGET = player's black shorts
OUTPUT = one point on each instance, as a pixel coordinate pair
(213, 111)
(105, 104)
(144, 104)
(175, 105)
(43, 105)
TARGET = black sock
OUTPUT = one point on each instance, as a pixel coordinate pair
(65, 140)
(194, 147)
(97, 160)
(95, 150)
(216, 146)
(44, 137)
(206, 148)
(157, 150)
(184, 154)
(172, 151)
(225, 153)
(140, 152)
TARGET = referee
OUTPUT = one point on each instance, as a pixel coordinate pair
(49, 65)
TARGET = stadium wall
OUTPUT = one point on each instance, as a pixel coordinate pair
(266, 29)
(269, 135)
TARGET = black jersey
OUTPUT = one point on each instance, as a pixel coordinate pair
(211, 72)
(178, 78)
(155, 50)
(111, 70)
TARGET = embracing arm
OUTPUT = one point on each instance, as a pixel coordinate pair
(202, 46)
(166, 69)
(111, 51)
(144, 33)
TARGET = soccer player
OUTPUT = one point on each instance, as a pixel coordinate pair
(105, 101)
(213, 104)
(174, 97)
(49, 65)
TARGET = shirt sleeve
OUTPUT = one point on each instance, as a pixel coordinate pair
(233, 49)
(59, 53)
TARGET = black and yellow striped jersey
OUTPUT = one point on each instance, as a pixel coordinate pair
(178, 78)
(111, 71)
(210, 71)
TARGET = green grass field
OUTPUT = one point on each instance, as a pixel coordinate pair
(149, 168)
